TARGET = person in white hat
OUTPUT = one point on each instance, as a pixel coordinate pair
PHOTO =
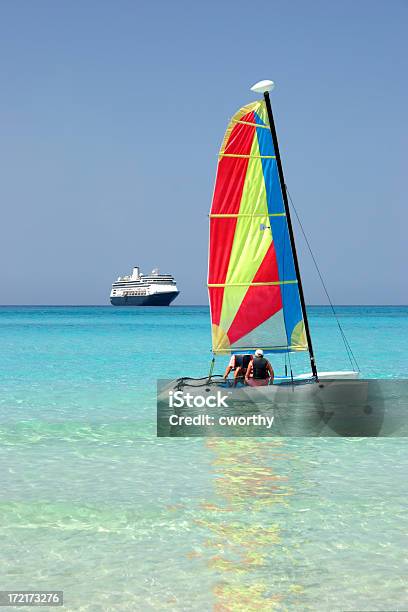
(259, 372)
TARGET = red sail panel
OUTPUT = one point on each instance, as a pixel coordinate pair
(259, 303)
(226, 200)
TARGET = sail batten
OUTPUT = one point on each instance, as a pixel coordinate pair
(253, 288)
(266, 127)
(215, 215)
(266, 284)
(247, 156)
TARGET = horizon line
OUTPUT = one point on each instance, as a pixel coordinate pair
(171, 306)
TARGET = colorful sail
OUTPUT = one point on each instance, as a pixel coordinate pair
(253, 289)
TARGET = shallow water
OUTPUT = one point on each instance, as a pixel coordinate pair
(94, 504)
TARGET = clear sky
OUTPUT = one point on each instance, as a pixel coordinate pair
(112, 114)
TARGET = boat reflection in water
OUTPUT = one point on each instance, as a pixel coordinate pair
(243, 526)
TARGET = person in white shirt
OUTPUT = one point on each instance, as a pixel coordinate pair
(239, 364)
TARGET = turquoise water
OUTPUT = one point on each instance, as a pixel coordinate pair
(94, 504)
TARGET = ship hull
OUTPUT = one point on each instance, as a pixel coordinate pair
(157, 299)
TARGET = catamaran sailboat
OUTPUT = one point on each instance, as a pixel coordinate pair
(254, 283)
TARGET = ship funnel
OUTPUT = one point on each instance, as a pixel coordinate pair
(135, 273)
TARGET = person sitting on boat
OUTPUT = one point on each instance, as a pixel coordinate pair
(239, 364)
(259, 372)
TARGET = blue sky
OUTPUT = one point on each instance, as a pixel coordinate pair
(111, 117)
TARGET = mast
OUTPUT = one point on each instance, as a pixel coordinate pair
(264, 87)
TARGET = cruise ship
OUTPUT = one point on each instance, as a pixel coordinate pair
(137, 289)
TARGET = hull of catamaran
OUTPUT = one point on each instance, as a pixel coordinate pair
(335, 375)
(343, 406)
(304, 382)
(195, 385)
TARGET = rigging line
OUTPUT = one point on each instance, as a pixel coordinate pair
(349, 351)
(345, 341)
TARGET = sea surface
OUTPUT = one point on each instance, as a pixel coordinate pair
(92, 503)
